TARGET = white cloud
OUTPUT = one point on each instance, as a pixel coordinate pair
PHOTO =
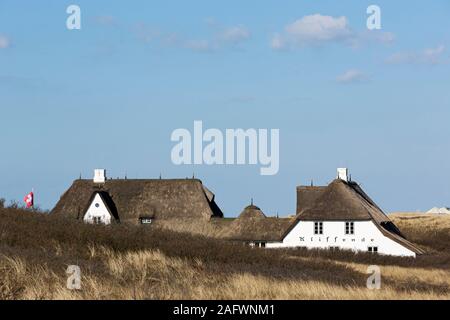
(221, 38)
(320, 29)
(385, 37)
(146, 34)
(352, 76)
(277, 42)
(434, 55)
(431, 56)
(313, 29)
(400, 57)
(199, 45)
(4, 42)
(235, 34)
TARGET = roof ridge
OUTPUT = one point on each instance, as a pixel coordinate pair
(142, 179)
(174, 198)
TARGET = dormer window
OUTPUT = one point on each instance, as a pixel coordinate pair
(146, 220)
(349, 227)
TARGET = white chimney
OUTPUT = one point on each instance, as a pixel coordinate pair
(342, 173)
(99, 176)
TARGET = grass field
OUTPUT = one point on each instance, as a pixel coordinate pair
(132, 262)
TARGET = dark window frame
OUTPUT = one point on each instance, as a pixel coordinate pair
(97, 220)
(260, 244)
(318, 227)
(349, 227)
(145, 220)
(372, 249)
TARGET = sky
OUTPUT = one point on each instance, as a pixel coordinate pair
(110, 94)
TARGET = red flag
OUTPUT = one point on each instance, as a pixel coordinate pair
(29, 200)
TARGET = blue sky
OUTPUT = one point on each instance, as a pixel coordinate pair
(110, 95)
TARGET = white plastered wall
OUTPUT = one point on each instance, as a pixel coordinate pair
(97, 208)
(366, 234)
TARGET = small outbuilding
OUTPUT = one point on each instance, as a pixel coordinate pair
(255, 229)
(439, 211)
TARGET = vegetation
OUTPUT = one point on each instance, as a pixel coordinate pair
(150, 262)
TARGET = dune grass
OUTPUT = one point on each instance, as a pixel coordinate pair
(136, 262)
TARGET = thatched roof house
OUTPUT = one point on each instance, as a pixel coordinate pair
(254, 227)
(252, 211)
(133, 199)
(344, 200)
(339, 215)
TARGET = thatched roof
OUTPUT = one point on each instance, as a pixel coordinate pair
(346, 201)
(253, 225)
(160, 198)
(306, 196)
(258, 229)
(252, 211)
(340, 200)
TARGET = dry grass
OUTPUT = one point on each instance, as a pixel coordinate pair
(217, 228)
(425, 229)
(126, 262)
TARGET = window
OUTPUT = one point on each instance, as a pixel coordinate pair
(318, 227)
(373, 249)
(349, 228)
(146, 220)
(97, 220)
(257, 244)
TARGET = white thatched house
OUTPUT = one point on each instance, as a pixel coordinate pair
(139, 201)
(338, 216)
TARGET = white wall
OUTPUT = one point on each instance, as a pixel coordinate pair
(97, 209)
(366, 234)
